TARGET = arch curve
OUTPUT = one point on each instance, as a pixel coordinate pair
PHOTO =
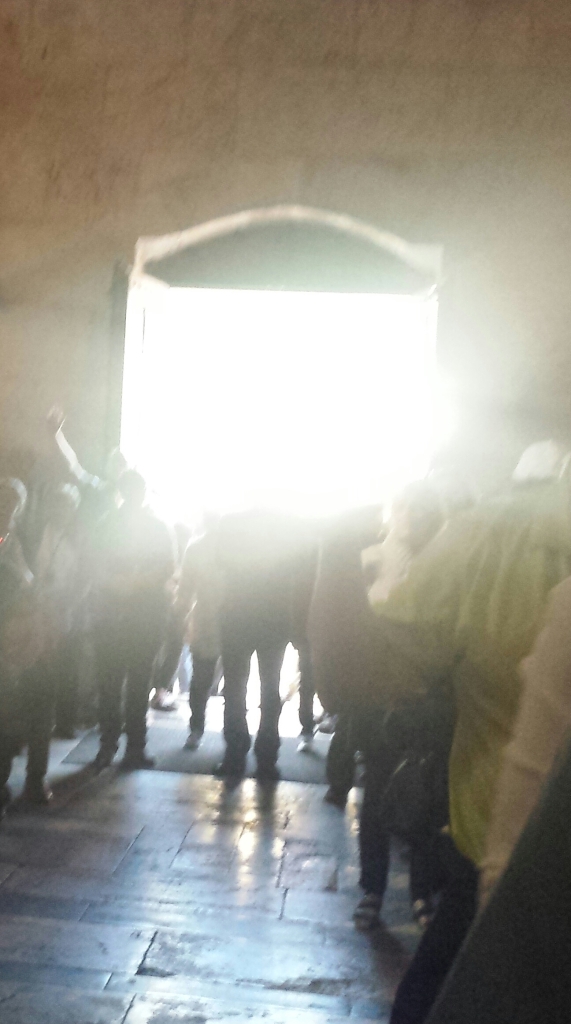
(355, 239)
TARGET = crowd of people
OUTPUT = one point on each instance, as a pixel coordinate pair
(437, 640)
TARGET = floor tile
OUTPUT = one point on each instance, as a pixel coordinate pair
(62, 977)
(39, 906)
(276, 965)
(20, 1004)
(71, 849)
(167, 1010)
(61, 943)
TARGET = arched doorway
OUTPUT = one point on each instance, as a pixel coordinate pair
(283, 356)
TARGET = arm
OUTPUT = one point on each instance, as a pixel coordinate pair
(65, 452)
(540, 730)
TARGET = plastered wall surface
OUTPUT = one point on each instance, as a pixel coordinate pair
(445, 121)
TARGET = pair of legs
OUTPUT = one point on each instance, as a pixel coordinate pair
(125, 652)
(47, 693)
(381, 759)
(237, 650)
(441, 942)
(51, 691)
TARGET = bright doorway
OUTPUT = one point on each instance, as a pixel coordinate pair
(306, 401)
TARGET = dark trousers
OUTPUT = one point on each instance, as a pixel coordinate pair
(306, 689)
(340, 766)
(441, 941)
(125, 652)
(50, 694)
(237, 650)
(12, 729)
(164, 674)
(64, 667)
(203, 672)
(374, 836)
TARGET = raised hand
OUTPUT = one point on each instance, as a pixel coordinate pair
(55, 419)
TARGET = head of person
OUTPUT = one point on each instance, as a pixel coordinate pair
(132, 489)
(63, 505)
(115, 466)
(417, 515)
(12, 501)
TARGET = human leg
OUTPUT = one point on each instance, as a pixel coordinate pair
(200, 685)
(340, 765)
(110, 668)
(374, 836)
(143, 639)
(236, 657)
(12, 732)
(440, 944)
(39, 689)
(270, 659)
(66, 673)
(306, 691)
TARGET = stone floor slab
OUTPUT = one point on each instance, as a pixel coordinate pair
(73, 849)
(62, 977)
(12, 903)
(238, 997)
(67, 944)
(21, 1004)
(249, 961)
(311, 872)
(168, 1010)
(208, 921)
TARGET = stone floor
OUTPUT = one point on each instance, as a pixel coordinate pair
(154, 898)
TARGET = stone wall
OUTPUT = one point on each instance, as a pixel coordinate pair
(445, 121)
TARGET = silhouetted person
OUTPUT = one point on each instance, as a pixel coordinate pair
(21, 634)
(257, 553)
(51, 686)
(134, 560)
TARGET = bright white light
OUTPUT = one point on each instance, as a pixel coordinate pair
(298, 400)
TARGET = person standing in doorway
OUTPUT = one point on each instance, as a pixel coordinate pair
(134, 556)
(257, 553)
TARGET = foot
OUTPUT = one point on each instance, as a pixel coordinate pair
(37, 793)
(423, 912)
(336, 798)
(135, 760)
(104, 758)
(305, 745)
(163, 701)
(231, 768)
(267, 773)
(327, 724)
(193, 742)
(367, 912)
